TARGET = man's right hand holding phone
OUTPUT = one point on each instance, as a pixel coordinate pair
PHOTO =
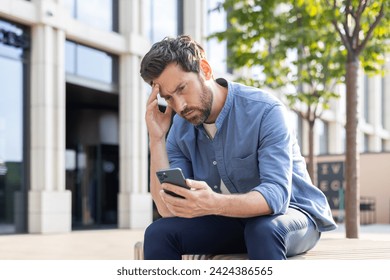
(200, 200)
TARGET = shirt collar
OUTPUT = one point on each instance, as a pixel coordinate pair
(228, 102)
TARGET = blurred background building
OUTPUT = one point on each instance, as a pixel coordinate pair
(73, 143)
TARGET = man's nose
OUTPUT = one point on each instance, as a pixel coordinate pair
(180, 104)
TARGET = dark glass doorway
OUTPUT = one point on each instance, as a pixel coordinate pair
(94, 184)
(92, 157)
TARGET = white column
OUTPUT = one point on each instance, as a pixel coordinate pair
(386, 120)
(336, 125)
(134, 200)
(375, 112)
(49, 207)
(193, 19)
(334, 138)
(387, 94)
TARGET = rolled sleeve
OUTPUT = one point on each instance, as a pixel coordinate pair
(275, 160)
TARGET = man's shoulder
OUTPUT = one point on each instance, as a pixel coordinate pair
(243, 92)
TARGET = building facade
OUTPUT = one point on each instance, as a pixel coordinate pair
(73, 142)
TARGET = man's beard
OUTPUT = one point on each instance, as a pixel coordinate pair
(202, 112)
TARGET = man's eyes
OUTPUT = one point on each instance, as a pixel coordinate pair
(178, 91)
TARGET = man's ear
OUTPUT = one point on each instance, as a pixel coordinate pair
(205, 68)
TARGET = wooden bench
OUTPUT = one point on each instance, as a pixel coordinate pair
(327, 248)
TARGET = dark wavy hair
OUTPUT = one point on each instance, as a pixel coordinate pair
(182, 50)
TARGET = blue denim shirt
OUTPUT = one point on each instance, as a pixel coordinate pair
(253, 150)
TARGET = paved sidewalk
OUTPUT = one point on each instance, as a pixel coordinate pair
(118, 244)
(112, 244)
(373, 243)
(377, 232)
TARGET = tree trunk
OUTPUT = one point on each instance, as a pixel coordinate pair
(312, 161)
(352, 192)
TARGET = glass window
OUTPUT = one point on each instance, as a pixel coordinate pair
(94, 64)
(91, 63)
(323, 132)
(102, 14)
(70, 54)
(300, 130)
(12, 77)
(70, 7)
(342, 101)
(296, 124)
(11, 104)
(162, 18)
(384, 102)
(365, 142)
(343, 140)
(146, 18)
(12, 40)
(366, 100)
(215, 21)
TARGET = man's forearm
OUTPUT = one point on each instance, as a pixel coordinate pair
(246, 205)
(158, 160)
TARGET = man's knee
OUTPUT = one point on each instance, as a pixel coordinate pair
(159, 241)
(157, 230)
(263, 229)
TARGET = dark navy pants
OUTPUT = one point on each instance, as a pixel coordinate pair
(273, 237)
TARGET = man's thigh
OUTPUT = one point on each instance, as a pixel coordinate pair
(201, 235)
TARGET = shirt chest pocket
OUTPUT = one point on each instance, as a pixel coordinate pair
(244, 172)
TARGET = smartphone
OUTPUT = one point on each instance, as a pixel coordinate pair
(173, 176)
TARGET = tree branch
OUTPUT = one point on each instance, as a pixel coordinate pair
(371, 30)
(343, 37)
(347, 13)
(361, 7)
(357, 16)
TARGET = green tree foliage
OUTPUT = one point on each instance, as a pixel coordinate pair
(304, 48)
(281, 39)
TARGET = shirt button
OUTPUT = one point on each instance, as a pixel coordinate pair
(214, 162)
(215, 187)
